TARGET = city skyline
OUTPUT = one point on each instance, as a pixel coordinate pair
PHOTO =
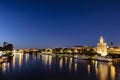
(44, 24)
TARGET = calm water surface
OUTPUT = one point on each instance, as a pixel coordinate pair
(47, 67)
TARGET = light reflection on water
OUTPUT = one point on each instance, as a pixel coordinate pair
(70, 64)
(61, 63)
(20, 59)
(26, 57)
(103, 71)
(96, 70)
(50, 61)
(88, 68)
(112, 72)
(5, 67)
(47, 60)
(75, 67)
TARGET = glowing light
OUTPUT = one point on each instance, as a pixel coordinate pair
(26, 57)
(46, 59)
(113, 72)
(5, 66)
(20, 59)
(96, 68)
(61, 63)
(50, 61)
(88, 69)
(65, 60)
(13, 61)
(103, 71)
(102, 47)
(70, 64)
(75, 67)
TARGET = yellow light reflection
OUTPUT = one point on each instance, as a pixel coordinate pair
(65, 60)
(103, 71)
(70, 64)
(61, 63)
(50, 61)
(113, 72)
(96, 68)
(46, 59)
(93, 61)
(26, 57)
(42, 58)
(88, 68)
(13, 61)
(75, 67)
(20, 59)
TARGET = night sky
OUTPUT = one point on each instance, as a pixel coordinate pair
(59, 23)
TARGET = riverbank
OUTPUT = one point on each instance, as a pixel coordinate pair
(6, 58)
(86, 57)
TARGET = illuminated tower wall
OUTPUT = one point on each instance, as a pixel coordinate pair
(102, 47)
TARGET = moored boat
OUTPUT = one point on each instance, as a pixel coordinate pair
(83, 57)
(106, 58)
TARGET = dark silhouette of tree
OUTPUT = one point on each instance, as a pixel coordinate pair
(39, 50)
(73, 51)
(48, 50)
(7, 47)
(42, 50)
(1, 48)
(5, 44)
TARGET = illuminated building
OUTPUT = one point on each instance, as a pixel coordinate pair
(102, 47)
(114, 50)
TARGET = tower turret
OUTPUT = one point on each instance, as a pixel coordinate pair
(101, 39)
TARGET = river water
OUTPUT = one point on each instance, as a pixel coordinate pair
(47, 67)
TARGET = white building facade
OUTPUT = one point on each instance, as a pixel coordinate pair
(102, 47)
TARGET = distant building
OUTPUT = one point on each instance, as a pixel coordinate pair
(114, 50)
(111, 45)
(102, 47)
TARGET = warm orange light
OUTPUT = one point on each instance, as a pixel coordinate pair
(112, 72)
(61, 63)
(70, 64)
(88, 68)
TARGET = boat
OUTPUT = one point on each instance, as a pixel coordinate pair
(83, 57)
(106, 58)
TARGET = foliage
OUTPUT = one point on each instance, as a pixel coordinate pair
(6, 47)
(89, 52)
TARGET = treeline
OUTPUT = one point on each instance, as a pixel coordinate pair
(85, 51)
(6, 47)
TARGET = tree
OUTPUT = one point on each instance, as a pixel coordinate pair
(7, 47)
(1, 48)
(5, 44)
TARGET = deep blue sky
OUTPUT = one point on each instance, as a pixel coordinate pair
(59, 23)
